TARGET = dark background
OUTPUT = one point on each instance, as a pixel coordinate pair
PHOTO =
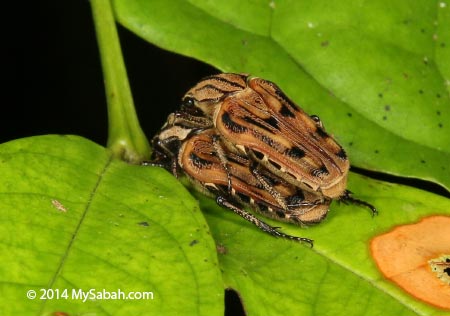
(52, 79)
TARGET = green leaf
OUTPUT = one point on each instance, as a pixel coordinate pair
(72, 217)
(337, 276)
(377, 73)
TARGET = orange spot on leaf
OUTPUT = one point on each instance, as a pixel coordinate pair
(403, 255)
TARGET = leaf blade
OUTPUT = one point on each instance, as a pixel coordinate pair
(121, 229)
(336, 277)
(330, 77)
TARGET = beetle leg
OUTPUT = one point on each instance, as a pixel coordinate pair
(348, 198)
(168, 165)
(274, 193)
(222, 201)
(164, 154)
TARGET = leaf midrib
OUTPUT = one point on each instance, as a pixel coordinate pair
(77, 228)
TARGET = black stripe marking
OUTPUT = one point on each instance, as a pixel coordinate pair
(295, 152)
(276, 165)
(285, 111)
(318, 172)
(213, 87)
(295, 200)
(258, 154)
(341, 154)
(272, 122)
(210, 100)
(221, 79)
(199, 162)
(256, 123)
(321, 132)
(271, 181)
(266, 139)
(231, 125)
(307, 185)
(284, 98)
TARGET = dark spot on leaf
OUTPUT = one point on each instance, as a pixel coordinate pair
(350, 144)
(325, 43)
(438, 95)
(422, 161)
(442, 44)
(421, 91)
(438, 113)
(422, 30)
(380, 95)
(384, 118)
(193, 242)
(145, 224)
(349, 114)
(376, 151)
(387, 107)
(440, 125)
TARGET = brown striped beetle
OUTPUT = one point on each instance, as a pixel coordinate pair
(242, 140)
